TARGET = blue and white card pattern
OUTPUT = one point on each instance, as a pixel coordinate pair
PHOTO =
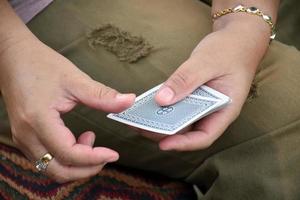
(202, 92)
(146, 114)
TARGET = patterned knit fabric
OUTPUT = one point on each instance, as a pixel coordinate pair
(19, 180)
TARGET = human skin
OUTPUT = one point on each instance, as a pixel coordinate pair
(26, 74)
(225, 60)
(37, 85)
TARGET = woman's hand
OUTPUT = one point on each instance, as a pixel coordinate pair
(38, 85)
(225, 60)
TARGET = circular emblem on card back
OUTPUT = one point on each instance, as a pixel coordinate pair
(165, 110)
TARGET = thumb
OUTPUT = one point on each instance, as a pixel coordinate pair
(182, 82)
(99, 96)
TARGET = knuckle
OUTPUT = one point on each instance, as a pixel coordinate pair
(180, 80)
(64, 158)
(29, 116)
(103, 91)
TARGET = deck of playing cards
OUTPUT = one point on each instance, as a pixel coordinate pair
(148, 115)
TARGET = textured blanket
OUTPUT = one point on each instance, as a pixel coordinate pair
(19, 180)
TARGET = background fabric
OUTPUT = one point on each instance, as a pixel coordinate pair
(27, 9)
(256, 158)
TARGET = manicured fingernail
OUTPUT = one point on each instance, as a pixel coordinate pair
(167, 94)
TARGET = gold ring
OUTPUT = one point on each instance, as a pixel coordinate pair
(42, 163)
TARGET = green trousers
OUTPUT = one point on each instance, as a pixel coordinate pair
(258, 157)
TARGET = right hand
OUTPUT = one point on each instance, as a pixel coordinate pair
(38, 85)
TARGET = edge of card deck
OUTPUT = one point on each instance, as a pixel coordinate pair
(220, 100)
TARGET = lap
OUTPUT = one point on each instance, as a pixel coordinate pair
(255, 152)
(258, 156)
(173, 28)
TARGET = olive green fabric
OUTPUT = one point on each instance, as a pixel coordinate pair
(256, 158)
(288, 23)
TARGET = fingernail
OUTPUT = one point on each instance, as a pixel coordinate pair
(113, 159)
(165, 148)
(92, 141)
(167, 94)
(122, 96)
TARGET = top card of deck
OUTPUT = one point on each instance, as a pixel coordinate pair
(147, 115)
(205, 91)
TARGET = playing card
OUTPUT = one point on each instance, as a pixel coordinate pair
(148, 115)
(205, 91)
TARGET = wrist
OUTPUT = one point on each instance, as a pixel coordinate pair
(245, 38)
(14, 51)
(12, 29)
(248, 30)
(13, 41)
(247, 25)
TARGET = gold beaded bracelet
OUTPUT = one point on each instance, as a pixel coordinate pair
(250, 10)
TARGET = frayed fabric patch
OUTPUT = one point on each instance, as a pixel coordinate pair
(126, 47)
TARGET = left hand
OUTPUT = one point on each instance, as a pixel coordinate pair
(225, 60)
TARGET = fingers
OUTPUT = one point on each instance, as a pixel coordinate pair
(151, 135)
(62, 173)
(99, 96)
(58, 171)
(60, 142)
(87, 138)
(189, 76)
(157, 136)
(204, 134)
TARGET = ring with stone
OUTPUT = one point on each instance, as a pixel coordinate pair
(42, 163)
